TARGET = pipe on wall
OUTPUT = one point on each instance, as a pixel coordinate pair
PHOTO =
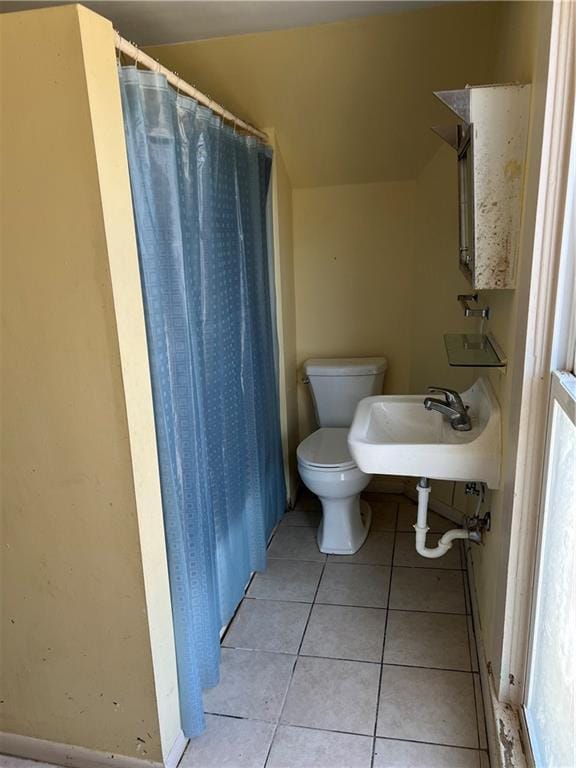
(421, 527)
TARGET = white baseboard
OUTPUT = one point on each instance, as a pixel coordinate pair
(176, 750)
(73, 756)
(502, 721)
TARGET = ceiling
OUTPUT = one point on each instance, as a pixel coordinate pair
(351, 102)
(164, 21)
(351, 99)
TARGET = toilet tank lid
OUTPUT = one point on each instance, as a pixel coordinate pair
(345, 366)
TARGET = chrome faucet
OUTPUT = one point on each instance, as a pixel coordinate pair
(452, 406)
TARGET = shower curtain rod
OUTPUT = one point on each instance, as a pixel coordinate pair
(142, 58)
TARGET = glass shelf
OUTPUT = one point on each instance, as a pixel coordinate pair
(473, 350)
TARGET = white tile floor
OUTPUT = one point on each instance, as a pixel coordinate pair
(360, 662)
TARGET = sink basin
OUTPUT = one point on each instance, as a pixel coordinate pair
(396, 435)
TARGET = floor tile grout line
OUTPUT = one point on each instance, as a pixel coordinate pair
(433, 743)
(352, 661)
(423, 567)
(280, 713)
(479, 709)
(467, 604)
(470, 641)
(395, 664)
(382, 565)
(470, 617)
(349, 733)
(236, 612)
(299, 654)
(478, 699)
(354, 605)
(296, 656)
(277, 722)
(373, 756)
(312, 607)
(475, 710)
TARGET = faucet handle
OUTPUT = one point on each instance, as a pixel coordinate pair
(452, 397)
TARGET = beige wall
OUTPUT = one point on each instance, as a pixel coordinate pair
(437, 279)
(344, 117)
(286, 313)
(352, 101)
(522, 57)
(84, 621)
(353, 249)
(80, 495)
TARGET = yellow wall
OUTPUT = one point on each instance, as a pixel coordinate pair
(353, 249)
(522, 57)
(352, 101)
(80, 495)
(84, 576)
(437, 279)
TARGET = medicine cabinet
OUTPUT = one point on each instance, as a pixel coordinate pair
(491, 150)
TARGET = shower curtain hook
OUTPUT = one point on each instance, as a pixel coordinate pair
(211, 105)
(118, 51)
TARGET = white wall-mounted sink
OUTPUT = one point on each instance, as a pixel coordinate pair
(396, 435)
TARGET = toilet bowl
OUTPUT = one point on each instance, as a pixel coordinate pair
(328, 470)
(337, 385)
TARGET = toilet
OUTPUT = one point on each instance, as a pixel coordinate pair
(324, 462)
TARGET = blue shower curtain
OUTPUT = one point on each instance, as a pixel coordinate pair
(199, 192)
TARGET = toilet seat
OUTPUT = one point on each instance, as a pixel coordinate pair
(326, 449)
(328, 470)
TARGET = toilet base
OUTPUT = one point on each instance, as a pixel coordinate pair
(344, 526)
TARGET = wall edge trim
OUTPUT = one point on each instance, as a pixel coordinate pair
(73, 756)
(99, 61)
(503, 723)
(176, 751)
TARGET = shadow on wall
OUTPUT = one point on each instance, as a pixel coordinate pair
(377, 273)
(353, 251)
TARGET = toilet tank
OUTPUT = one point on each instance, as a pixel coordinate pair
(338, 385)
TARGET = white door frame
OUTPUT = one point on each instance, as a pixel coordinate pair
(563, 394)
(540, 325)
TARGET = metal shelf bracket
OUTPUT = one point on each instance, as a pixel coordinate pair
(469, 311)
